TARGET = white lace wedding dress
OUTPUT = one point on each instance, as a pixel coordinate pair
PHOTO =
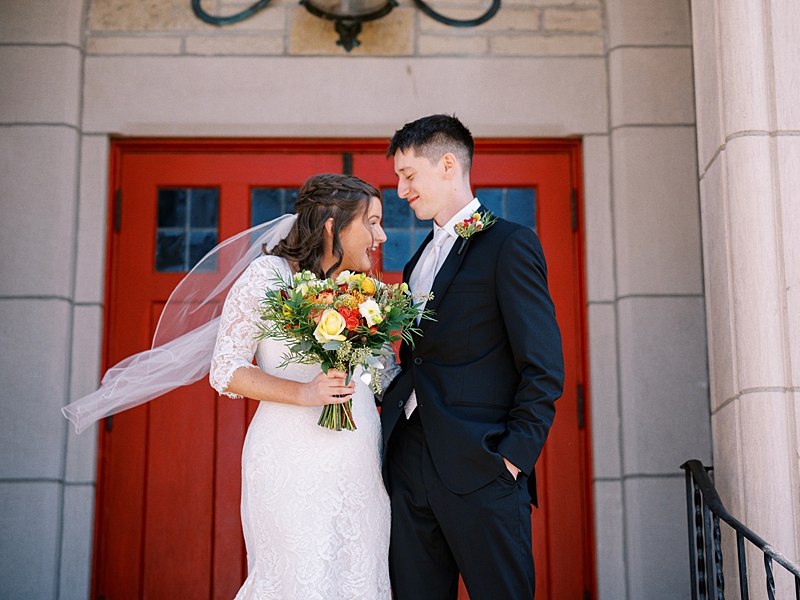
(314, 510)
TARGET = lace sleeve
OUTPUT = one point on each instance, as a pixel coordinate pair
(236, 344)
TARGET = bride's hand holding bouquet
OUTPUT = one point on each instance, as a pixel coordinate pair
(340, 324)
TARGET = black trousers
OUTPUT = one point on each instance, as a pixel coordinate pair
(484, 535)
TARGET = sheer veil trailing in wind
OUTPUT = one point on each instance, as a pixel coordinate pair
(184, 339)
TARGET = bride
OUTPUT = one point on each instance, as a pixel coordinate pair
(314, 510)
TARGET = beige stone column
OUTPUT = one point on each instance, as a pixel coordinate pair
(747, 77)
(46, 482)
(655, 304)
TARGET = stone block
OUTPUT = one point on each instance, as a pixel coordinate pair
(663, 384)
(133, 45)
(785, 23)
(727, 473)
(769, 466)
(716, 259)
(508, 19)
(446, 7)
(452, 44)
(547, 2)
(745, 67)
(87, 343)
(37, 199)
(597, 219)
(90, 268)
(29, 528)
(706, 82)
(76, 543)
(42, 22)
(166, 96)
(755, 248)
(81, 456)
(539, 45)
(788, 161)
(651, 86)
(33, 376)
(87, 339)
(272, 18)
(42, 84)
(235, 44)
(609, 540)
(655, 527)
(651, 23)
(153, 15)
(604, 391)
(392, 35)
(585, 20)
(656, 216)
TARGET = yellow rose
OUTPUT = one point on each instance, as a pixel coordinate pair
(330, 327)
(368, 286)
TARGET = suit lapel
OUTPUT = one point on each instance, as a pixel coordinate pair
(445, 275)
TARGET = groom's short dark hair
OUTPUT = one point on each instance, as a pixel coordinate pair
(433, 137)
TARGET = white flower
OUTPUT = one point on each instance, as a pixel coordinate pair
(370, 310)
(343, 278)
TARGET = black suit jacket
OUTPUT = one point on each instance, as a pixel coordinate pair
(488, 370)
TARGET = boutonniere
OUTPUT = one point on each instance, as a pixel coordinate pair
(469, 227)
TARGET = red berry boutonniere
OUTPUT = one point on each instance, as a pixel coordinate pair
(472, 225)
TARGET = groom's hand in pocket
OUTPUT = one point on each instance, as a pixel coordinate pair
(511, 468)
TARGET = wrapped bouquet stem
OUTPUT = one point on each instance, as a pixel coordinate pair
(341, 324)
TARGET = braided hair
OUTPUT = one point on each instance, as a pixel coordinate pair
(341, 197)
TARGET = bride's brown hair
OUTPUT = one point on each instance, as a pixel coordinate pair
(341, 197)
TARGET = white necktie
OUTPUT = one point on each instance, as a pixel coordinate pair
(427, 274)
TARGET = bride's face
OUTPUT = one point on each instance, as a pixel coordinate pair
(361, 238)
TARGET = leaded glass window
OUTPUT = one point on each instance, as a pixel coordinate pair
(187, 228)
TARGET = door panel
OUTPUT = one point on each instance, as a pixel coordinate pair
(169, 472)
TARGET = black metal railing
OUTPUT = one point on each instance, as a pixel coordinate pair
(705, 548)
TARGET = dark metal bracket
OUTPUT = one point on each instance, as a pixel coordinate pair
(349, 28)
(459, 22)
(219, 21)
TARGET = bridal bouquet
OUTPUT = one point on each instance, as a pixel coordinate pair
(340, 324)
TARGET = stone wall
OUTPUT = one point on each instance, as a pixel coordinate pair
(46, 475)
(749, 165)
(283, 28)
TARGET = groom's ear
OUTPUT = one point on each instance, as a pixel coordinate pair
(449, 164)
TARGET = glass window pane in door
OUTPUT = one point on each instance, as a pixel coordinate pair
(187, 227)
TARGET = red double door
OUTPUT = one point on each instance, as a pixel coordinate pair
(167, 516)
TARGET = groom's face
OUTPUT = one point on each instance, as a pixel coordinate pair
(421, 183)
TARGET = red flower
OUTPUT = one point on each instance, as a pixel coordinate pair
(288, 326)
(373, 330)
(351, 317)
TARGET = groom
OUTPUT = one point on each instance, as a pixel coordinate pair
(466, 419)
